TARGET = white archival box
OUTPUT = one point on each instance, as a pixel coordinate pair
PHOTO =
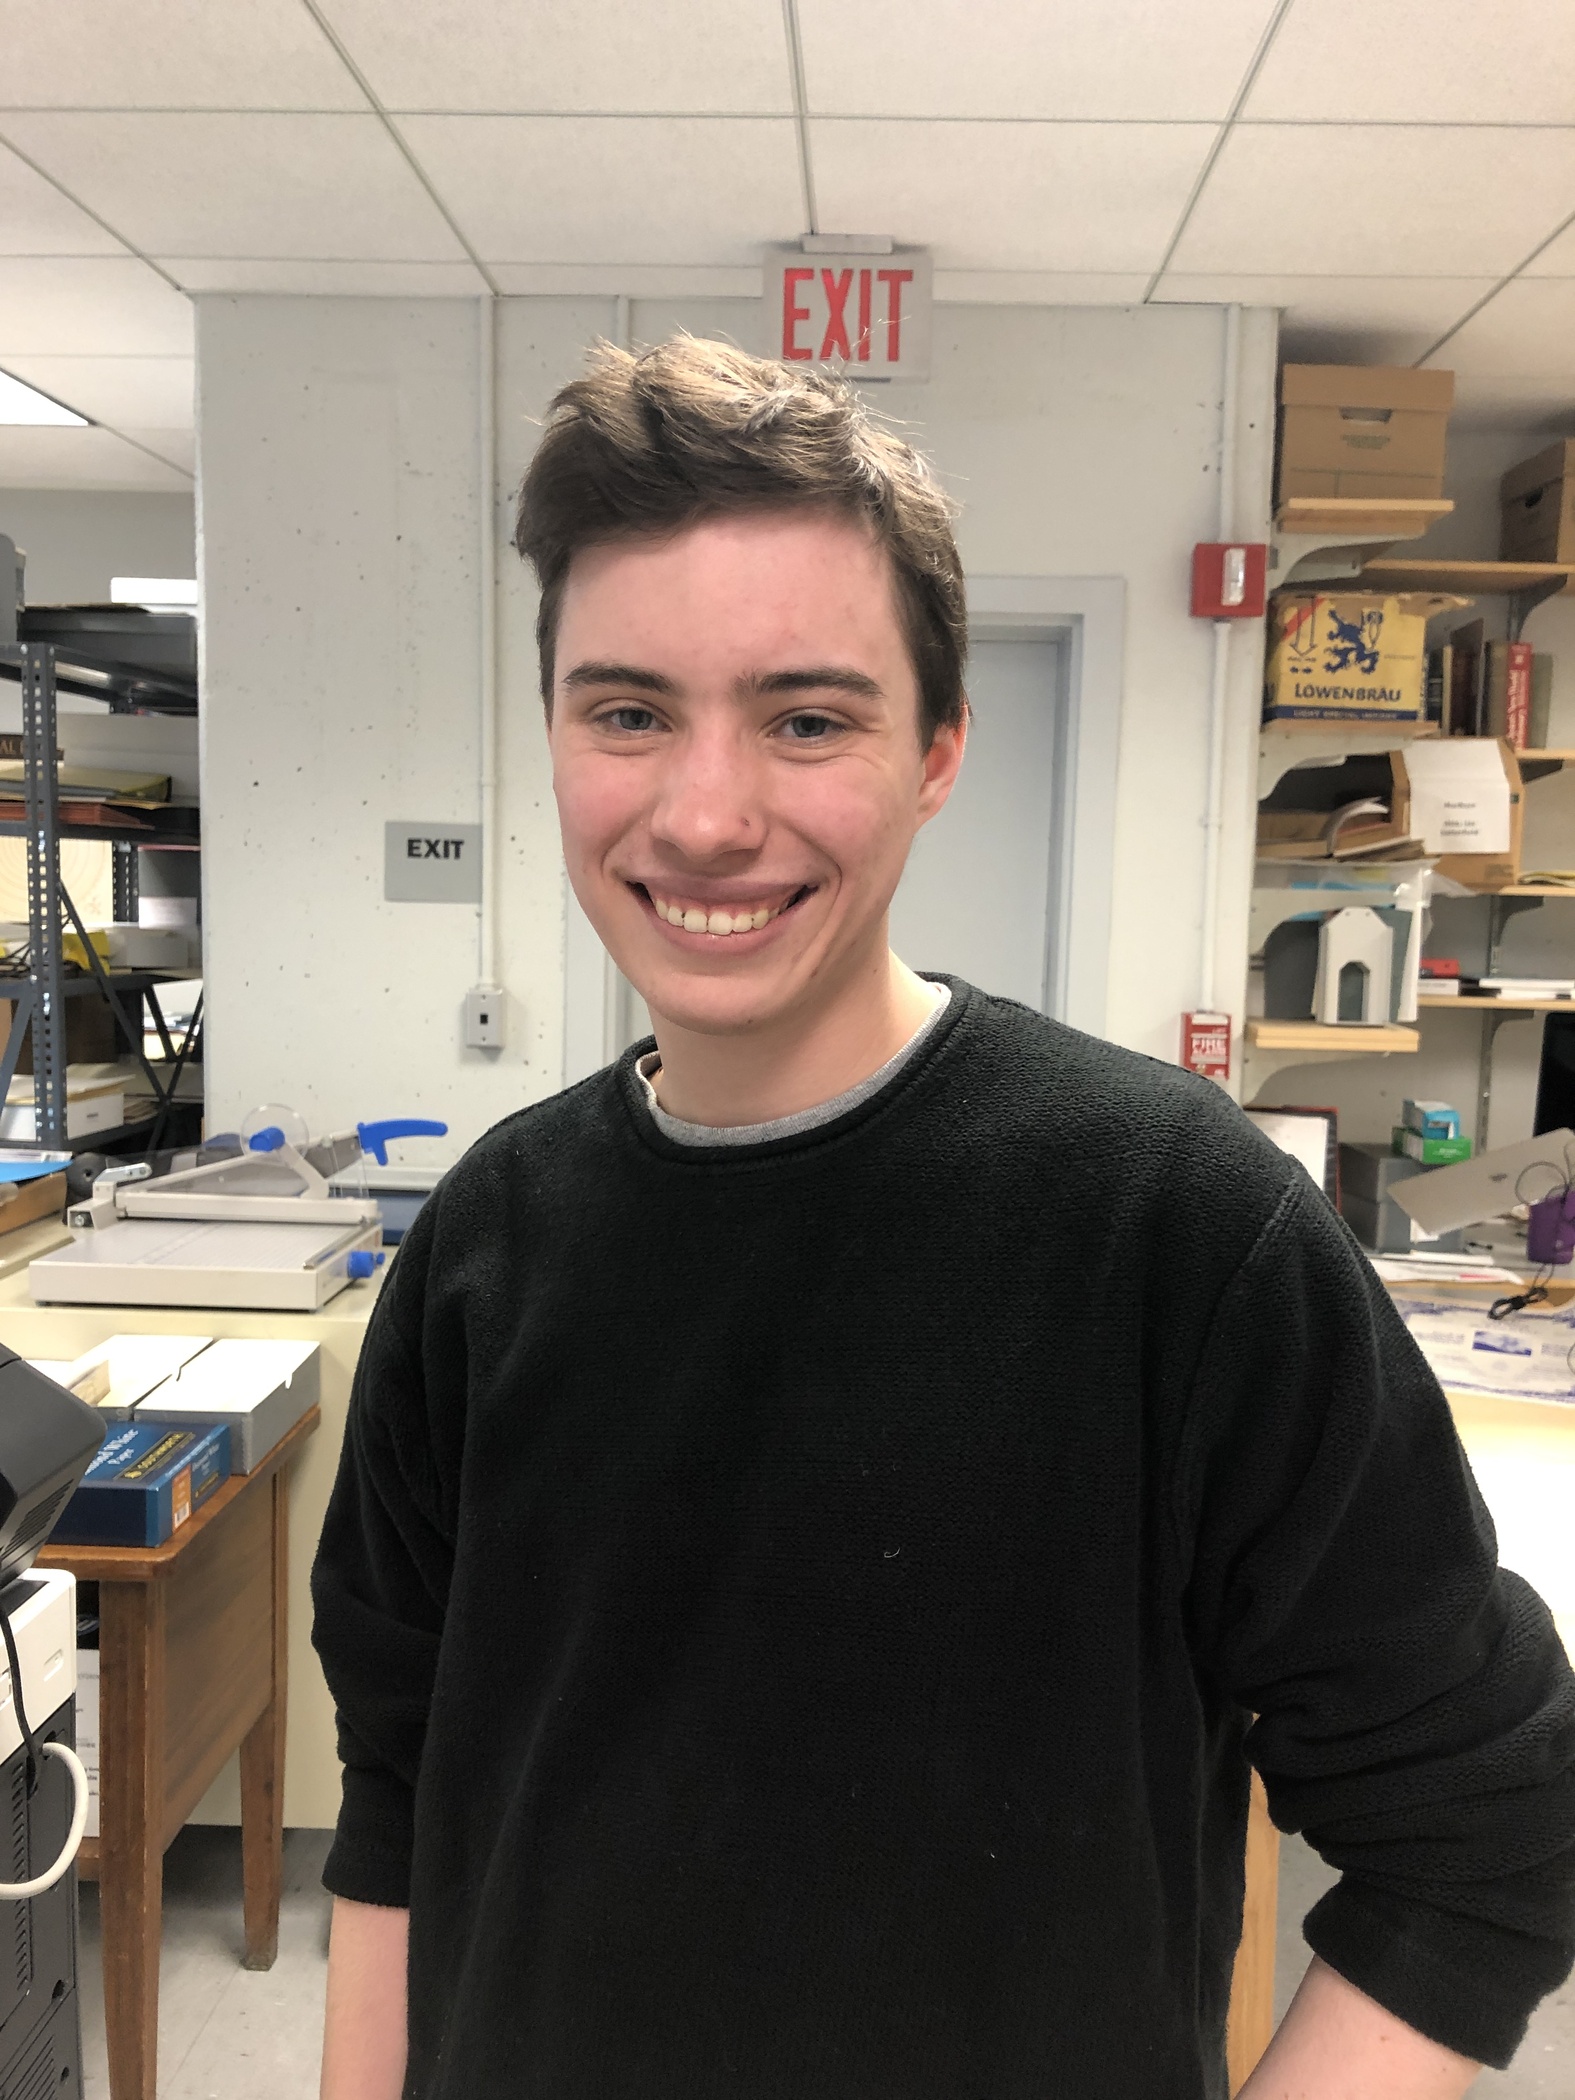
(260, 1388)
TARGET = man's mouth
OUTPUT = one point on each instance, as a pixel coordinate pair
(696, 915)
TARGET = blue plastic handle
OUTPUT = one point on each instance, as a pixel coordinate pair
(268, 1139)
(360, 1263)
(375, 1137)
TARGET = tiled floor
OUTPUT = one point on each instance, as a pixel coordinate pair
(224, 2033)
(227, 2035)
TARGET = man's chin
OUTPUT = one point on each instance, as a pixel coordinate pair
(716, 1006)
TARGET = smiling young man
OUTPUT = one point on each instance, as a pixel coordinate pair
(825, 1499)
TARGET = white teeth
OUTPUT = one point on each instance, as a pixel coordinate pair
(693, 919)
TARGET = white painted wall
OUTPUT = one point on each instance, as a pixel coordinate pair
(338, 530)
(77, 539)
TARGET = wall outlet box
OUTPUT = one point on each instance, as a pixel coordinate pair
(484, 1011)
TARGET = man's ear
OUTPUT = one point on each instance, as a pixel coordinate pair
(942, 764)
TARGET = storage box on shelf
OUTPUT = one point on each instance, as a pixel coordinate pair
(1363, 430)
(1537, 507)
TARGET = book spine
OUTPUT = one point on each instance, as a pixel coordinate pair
(1517, 693)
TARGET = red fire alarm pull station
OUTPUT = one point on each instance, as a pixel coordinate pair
(1228, 580)
(1205, 1045)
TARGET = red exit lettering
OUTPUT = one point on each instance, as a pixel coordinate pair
(833, 292)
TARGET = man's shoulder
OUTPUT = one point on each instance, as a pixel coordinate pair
(1078, 1105)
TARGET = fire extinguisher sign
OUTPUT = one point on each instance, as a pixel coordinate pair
(1205, 1045)
(867, 313)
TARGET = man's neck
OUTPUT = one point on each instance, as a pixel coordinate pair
(725, 1080)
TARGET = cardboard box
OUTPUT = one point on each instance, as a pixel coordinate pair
(1346, 656)
(25, 1202)
(147, 1480)
(1494, 866)
(1537, 507)
(1431, 1151)
(1363, 430)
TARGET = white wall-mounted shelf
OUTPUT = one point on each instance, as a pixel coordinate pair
(1326, 539)
(1272, 1046)
(1282, 746)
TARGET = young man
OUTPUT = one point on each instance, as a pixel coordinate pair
(825, 1499)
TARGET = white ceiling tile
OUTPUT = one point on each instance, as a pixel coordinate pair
(627, 280)
(1347, 200)
(171, 54)
(90, 306)
(722, 56)
(615, 189)
(1557, 259)
(1058, 58)
(244, 185)
(157, 391)
(1421, 61)
(1040, 287)
(385, 280)
(1011, 196)
(1525, 331)
(35, 219)
(177, 447)
(1341, 320)
(81, 459)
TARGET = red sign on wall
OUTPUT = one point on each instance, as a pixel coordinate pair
(869, 313)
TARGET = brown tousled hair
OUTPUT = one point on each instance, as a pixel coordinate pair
(647, 445)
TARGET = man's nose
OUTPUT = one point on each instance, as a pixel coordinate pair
(709, 804)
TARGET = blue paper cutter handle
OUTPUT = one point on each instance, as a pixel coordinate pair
(375, 1137)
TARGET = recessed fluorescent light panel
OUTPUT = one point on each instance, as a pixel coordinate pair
(20, 403)
(166, 592)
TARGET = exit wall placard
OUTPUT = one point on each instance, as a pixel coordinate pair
(432, 863)
(868, 313)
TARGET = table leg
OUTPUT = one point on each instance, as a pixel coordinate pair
(131, 1820)
(262, 1766)
(1251, 2027)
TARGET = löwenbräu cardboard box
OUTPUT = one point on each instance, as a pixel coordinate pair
(1537, 506)
(1344, 656)
(1363, 430)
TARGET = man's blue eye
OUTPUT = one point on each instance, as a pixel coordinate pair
(633, 719)
(807, 729)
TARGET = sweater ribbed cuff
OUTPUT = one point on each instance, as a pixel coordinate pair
(369, 1860)
(1467, 1985)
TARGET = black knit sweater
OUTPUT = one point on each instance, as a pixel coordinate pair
(795, 1611)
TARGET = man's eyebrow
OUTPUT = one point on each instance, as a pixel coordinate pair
(813, 678)
(619, 674)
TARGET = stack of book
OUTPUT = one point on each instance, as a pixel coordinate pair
(1475, 687)
(1532, 990)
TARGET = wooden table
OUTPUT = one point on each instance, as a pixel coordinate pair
(192, 1666)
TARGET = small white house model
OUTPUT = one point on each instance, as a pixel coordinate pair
(1355, 966)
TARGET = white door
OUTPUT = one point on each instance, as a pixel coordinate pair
(978, 898)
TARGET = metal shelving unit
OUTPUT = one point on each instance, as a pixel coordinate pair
(139, 663)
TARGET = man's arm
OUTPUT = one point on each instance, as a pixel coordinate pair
(364, 2024)
(1337, 2044)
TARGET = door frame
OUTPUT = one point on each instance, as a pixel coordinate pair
(1087, 616)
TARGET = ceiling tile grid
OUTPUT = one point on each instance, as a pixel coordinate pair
(1378, 169)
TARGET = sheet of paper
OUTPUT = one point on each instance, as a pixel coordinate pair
(1527, 1356)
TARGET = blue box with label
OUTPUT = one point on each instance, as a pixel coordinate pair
(148, 1479)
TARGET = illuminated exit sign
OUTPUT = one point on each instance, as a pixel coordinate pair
(865, 307)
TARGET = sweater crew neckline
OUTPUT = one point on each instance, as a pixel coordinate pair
(811, 1126)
